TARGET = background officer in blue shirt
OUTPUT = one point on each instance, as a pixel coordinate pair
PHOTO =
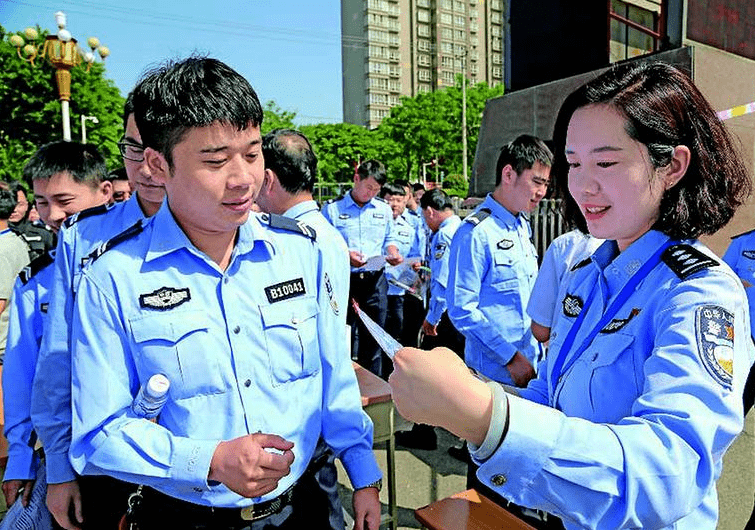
(229, 307)
(629, 418)
(97, 500)
(66, 177)
(366, 223)
(290, 176)
(493, 266)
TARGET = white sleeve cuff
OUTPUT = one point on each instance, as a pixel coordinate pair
(498, 422)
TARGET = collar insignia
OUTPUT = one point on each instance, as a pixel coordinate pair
(164, 298)
(285, 290)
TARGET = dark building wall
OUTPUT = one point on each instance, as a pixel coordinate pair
(553, 39)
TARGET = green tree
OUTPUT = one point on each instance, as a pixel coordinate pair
(30, 112)
(276, 118)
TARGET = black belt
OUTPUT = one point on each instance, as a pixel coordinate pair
(366, 275)
(198, 512)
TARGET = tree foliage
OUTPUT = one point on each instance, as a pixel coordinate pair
(30, 112)
(275, 117)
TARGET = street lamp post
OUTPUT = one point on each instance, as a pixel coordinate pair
(84, 120)
(464, 114)
(63, 54)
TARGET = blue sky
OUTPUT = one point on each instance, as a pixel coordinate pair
(290, 50)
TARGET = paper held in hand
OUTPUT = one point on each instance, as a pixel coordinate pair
(387, 343)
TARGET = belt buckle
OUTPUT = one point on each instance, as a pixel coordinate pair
(247, 514)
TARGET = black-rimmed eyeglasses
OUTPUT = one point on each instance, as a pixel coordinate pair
(131, 150)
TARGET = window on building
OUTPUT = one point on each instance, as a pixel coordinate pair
(447, 4)
(423, 88)
(423, 30)
(496, 59)
(496, 4)
(496, 43)
(394, 85)
(393, 100)
(497, 72)
(446, 47)
(423, 60)
(461, 7)
(423, 15)
(378, 68)
(423, 75)
(448, 77)
(423, 45)
(446, 18)
(395, 55)
(459, 20)
(423, 3)
(393, 40)
(447, 33)
(628, 41)
(378, 83)
(495, 17)
(394, 70)
(459, 34)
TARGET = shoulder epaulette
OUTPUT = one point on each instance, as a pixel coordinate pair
(478, 217)
(28, 272)
(686, 260)
(581, 264)
(412, 212)
(335, 199)
(292, 225)
(743, 234)
(89, 212)
(128, 233)
(381, 200)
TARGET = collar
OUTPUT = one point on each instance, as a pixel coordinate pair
(131, 207)
(447, 221)
(499, 211)
(618, 267)
(299, 209)
(168, 237)
(351, 203)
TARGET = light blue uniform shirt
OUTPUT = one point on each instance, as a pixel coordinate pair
(740, 256)
(51, 395)
(254, 348)
(409, 243)
(366, 229)
(440, 243)
(28, 317)
(492, 268)
(565, 251)
(641, 421)
(335, 255)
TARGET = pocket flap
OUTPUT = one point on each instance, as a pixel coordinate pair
(290, 312)
(170, 326)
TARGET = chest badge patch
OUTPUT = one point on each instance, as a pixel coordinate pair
(749, 254)
(378, 216)
(344, 216)
(164, 298)
(285, 290)
(331, 294)
(505, 244)
(572, 305)
(715, 342)
(617, 323)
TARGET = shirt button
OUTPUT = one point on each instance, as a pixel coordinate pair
(498, 480)
(594, 357)
(294, 321)
(198, 490)
(236, 330)
(248, 383)
(225, 280)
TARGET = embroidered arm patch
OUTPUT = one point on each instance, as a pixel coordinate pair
(715, 342)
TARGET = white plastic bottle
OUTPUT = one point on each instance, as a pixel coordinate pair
(151, 397)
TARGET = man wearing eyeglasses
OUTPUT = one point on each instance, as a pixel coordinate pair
(99, 497)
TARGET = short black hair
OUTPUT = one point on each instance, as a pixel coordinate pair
(8, 201)
(437, 199)
(118, 174)
(128, 109)
(663, 109)
(522, 154)
(194, 92)
(83, 162)
(288, 153)
(374, 169)
(418, 186)
(403, 183)
(392, 188)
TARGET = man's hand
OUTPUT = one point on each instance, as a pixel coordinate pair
(247, 468)
(356, 258)
(60, 498)
(429, 329)
(366, 509)
(393, 257)
(13, 489)
(520, 369)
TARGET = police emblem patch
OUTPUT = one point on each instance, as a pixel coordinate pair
(164, 298)
(715, 342)
(572, 305)
(749, 254)
(440, 249)
(505, 244)
(331, 294)
(285, 290)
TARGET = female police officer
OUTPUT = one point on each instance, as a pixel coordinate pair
(641, 394)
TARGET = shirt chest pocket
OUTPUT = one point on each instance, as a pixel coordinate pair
(290, 329)
(179, 345)
(504, 270)
(613, 382)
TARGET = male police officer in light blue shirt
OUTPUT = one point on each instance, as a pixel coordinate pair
(493, 267)
(230, 308)
(100, 501)
(290, 176)
(365, 222)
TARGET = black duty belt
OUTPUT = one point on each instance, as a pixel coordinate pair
(367, 275)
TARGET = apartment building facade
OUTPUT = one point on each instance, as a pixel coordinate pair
(394, 48)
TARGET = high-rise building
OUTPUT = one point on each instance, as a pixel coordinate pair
(394, 48)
